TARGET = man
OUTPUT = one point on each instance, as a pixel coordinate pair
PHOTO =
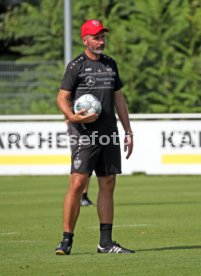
(85, 201)
(97, 74)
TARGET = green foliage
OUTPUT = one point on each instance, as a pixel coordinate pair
(38, 31)
(159, 41)
(157, 44)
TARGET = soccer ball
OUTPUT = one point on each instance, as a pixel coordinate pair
(88, 102)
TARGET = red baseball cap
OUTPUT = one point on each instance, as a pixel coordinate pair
(92, 27)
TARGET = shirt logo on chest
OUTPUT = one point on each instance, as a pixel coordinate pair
(90, 81)
(88, 69)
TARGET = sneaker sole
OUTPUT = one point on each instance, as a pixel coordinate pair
(104, 252)
(61, 252)
(100, 252)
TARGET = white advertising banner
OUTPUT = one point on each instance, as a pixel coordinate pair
(160, 147)
(165, 147)
(34, 148)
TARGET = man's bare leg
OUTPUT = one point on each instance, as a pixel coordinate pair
(72, 200)
(71, 211)
(86, 188)
(85, 201)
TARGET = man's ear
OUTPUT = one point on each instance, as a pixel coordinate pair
(84, 40)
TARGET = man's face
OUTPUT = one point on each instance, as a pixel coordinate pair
(95, 43)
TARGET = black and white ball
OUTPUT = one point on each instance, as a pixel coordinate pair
(88, 102)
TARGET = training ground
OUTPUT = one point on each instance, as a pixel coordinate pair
(158, 216)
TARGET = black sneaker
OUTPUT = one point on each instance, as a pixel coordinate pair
(64, 247)
(114, 248)
(85, 201)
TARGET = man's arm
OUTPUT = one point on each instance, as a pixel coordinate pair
(122, 112)
(65, 105)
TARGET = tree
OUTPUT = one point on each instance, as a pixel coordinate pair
(37, 30)
(155, 42)
(160, 43)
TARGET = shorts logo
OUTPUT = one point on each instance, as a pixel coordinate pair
(77, 163)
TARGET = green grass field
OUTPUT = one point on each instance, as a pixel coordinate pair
(159, 216)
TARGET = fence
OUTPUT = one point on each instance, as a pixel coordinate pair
(29, 87)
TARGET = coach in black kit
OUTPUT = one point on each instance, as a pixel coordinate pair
(96, 74)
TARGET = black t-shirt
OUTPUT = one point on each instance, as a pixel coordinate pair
(100, 78)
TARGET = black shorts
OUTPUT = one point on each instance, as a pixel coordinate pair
(104, 159)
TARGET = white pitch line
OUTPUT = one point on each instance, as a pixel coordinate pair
(131, 225)
(8, 233)
(24, 241)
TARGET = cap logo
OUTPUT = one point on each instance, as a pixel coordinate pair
(96, 23)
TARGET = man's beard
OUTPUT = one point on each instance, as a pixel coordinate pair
(97, 51)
